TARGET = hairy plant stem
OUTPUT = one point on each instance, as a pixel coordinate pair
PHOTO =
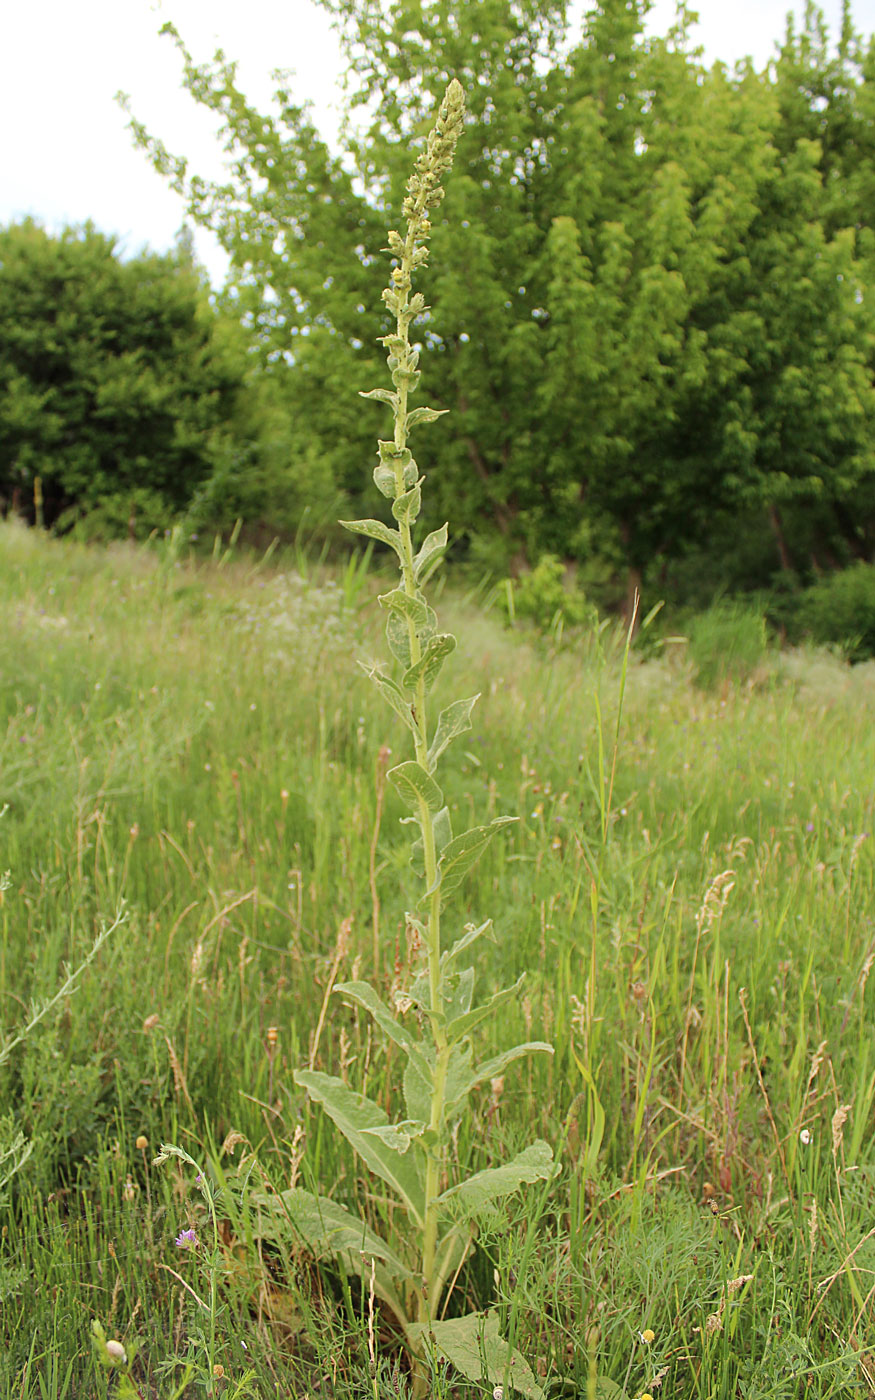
(433, 925)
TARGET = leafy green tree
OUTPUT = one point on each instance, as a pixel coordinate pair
(650, 310)
(117, 379)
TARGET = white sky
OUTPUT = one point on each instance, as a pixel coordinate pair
(67, 156)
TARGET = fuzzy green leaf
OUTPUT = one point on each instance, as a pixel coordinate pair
(423, 415)
(375, 530)
(428, 666)
(398, 638)
(465, 851)
(481, 1189)
(415, 786)
(464, 1024)
(473, 1345)
(490, 1069)
(471, 933)
(458, 1002)
(353, 1114)
(390, 454)
(454, 720)
(400, 601)
(324, 1226)
(408, 377)
(381, 395)
(458, 1076)
(391, 693)
(398, 1136)
(363, 994)
(606, 1389)
(384, 480)
(418, 1086)
(432, 547)
(407, 507)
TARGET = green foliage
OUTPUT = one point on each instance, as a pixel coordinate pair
(840, 611)
(117, 380)
(727, 643)
(545, 597)
(651, 305)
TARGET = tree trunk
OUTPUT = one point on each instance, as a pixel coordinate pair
(849, 530)
(778, 531)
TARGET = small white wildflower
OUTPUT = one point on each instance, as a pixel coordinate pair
(805, 1137)
(116, 1351)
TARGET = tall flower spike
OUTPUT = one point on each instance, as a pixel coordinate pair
(411, 1156)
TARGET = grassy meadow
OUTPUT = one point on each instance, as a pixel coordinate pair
(694, 908)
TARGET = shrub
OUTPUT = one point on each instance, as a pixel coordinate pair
(118, 380)
(840, 611)
(727, 643)
(547, 599)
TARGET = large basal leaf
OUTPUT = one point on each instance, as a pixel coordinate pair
(331, 1232)
(398, 1136)
(428, 667)
(415, 786)
(452, 1251)
(474, 1346)
(327, 1229)
(465, 851)
(352, 1113)
(606, 1389)
(375, 530)
(431, 549)
(481, 1189)
(391, 693)
(455, 719)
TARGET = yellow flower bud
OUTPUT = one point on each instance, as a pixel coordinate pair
(142, 1143)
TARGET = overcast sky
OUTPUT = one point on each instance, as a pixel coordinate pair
(66, 153)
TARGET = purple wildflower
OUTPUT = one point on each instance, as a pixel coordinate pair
(186, 1239)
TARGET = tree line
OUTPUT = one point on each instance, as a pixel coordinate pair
(653, 315)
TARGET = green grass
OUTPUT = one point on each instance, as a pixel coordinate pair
(197, 741)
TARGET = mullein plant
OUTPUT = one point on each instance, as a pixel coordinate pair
(413, 1271)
